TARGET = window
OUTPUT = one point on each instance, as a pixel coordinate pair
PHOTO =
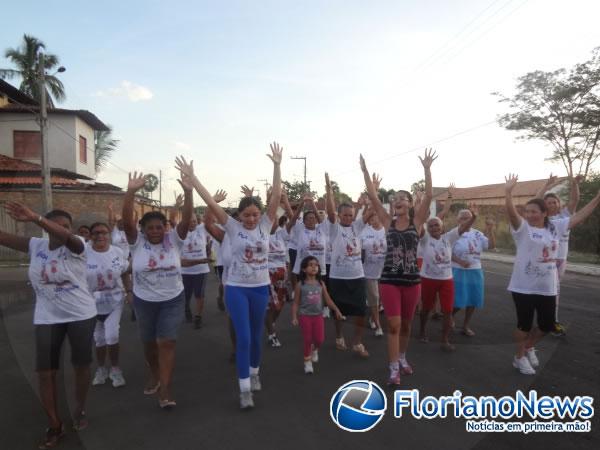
(82, 150)
(27, 144)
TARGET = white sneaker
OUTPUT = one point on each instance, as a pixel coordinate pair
(116, 375)
(326, 312)
(372, 323)
(308, 367)
(523, 365)
(100, 376)
(246, 400)
(255, 383)
(314, 356)
(531, 356)
(378, 332)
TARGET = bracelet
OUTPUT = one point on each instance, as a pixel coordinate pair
(39, 219)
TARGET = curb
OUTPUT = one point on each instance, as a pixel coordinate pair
(571, 267)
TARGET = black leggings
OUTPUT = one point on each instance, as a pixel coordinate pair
(49, 340)
(527, 304)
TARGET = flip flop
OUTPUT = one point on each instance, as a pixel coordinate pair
(468, 332)
(52, 437)
(152, 390)
(167, 404)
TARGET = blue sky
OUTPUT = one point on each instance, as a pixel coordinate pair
(219, 80)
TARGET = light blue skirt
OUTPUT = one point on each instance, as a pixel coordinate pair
(468, 287)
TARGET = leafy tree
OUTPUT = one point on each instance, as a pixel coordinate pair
(26, 60)
(104, 146)
(417, 187)
(296, 189)
(586, 237)
(561, 108)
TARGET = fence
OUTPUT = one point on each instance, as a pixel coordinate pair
(8, 225)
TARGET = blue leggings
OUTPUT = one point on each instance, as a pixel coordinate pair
(247, 307)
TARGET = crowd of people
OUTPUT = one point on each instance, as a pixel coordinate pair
(347, 264)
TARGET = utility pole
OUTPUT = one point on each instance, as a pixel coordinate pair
(304, 158)
(160, 188)
(46, 185)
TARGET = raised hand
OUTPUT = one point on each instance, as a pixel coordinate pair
(248, 192)
(511, 182)
(307, 197)
(276, 153)
(474, 209)
(186, 182)
(429, 157)
(20, 212)
(490, 223)
(179, 198)
(136, 182)
(362, 200)
(376, 181)
(363, 164)
(110, 205)
(184, 167)
(219, 196)
(327, 182)
(552, 181)
(451, 190)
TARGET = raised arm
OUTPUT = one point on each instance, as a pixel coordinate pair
(513, 216)
(362, 201)
(550, 183)
(182, 166)
(187, 185)
(467, 225)
(136, 182)
(329, 200)
(384, 216)
(422, 214)
(490, 232)
(584, 212)
(574, 194)
(275, 157)
(447, 203)
(209, 218)
(112, 220)
(310, 203)
(294, 217)
(22, 213)
(285, 204)
(174, 211)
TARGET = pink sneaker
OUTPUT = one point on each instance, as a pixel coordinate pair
(405, 369)
(394, 379)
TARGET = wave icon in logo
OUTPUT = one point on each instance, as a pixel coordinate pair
(358, 406)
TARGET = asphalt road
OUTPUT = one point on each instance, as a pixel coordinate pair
(292, 411)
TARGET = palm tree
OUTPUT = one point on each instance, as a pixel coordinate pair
(104, 146)
(26, 59)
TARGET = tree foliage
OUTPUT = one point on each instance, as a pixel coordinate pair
(296, 190)
(561, 108)
(586, 236)
(104, 146)
(26, 60)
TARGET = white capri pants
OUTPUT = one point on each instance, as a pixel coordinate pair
(107, 330)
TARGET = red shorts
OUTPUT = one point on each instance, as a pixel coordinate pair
(278, 288)
(399, 300)
(445, 290)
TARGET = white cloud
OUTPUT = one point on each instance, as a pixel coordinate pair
(134, 92)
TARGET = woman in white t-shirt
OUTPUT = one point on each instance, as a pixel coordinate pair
(106, 267)
(534, 280)
(158, 294)
(556, 212)
(247, 285)
(64, 308)
(347, 285)
(194, 267)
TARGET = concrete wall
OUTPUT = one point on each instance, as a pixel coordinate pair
(63, 140)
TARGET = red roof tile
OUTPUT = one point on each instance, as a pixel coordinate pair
(59, 181)
(522, 189)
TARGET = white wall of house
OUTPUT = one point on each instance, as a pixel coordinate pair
(63, 140)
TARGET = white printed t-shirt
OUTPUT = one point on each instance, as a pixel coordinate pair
(346, 261)
(119, 239)
(374, 243)
(310, 243)
(277, 252)
(249, 253)
(156, 268)
(194, 247)
(534, 271)
(469, 247)
(104, 270)
(563, 246)
(437, 255)
(58, 278)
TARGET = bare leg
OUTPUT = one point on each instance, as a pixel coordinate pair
(375, 315)
(151, 355)
(468, 315)
(82, 385)
(359, 329)
(113, 354)
(101, 355)
(166, 363)
(393, 337)
(446, 327)
(48, 396)
(199, 305)
(534, 337)
(424, 318)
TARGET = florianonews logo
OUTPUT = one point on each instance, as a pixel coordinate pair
(358, 405)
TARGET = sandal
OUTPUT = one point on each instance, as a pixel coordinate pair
(80, 421)
(468, 332)
(167, 404)
(340, 344)
(52, 438)
(360, 350)
(152, 390)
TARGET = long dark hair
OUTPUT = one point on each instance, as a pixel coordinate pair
(411, 210)
(59, 213)
(542, 206)
(304, 265)
(249, 201)
(152, 215)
